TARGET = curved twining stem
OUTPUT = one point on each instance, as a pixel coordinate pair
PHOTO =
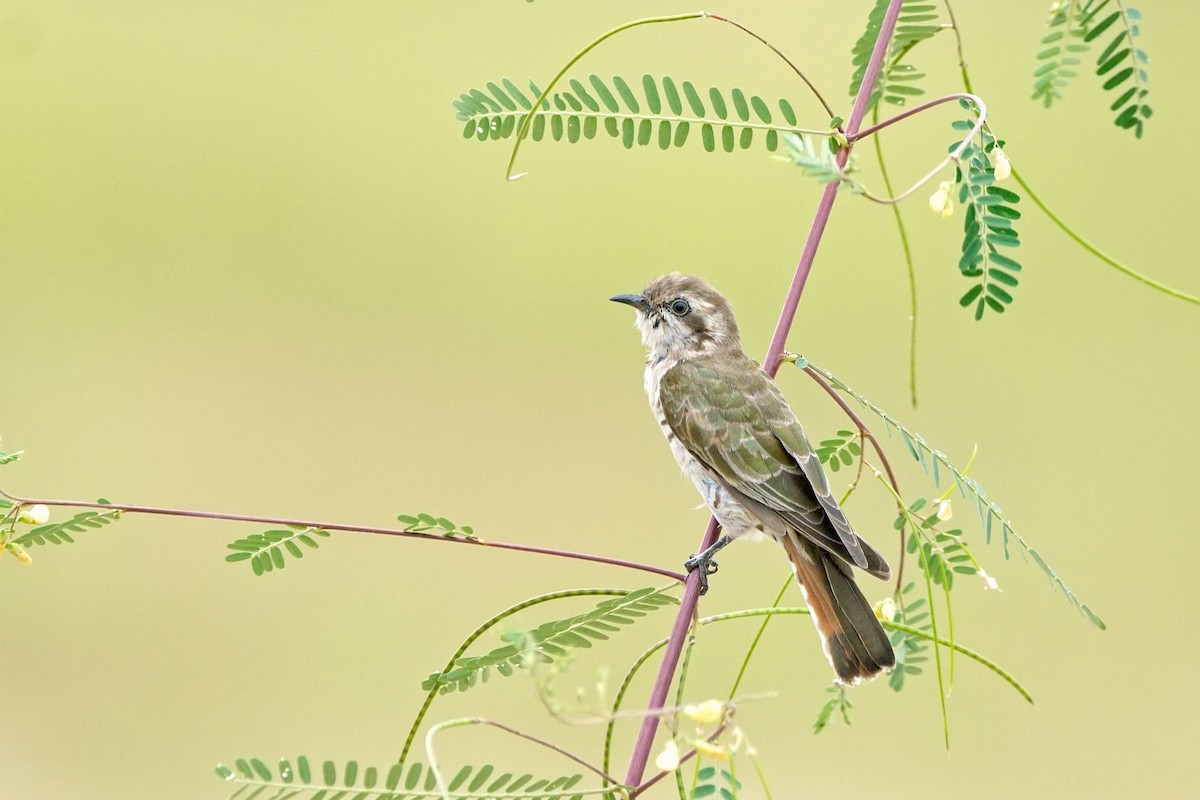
(459, 723)
(786, 60)
(1064, 227)
(737, 682)
(1097, 252)
(691, 592)
(910, 266)
(759, 612)
(480, 631)
(952, 158)
(337, 526)
(915, 524)
(527, 120)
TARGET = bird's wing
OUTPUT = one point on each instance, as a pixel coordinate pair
(734, 420)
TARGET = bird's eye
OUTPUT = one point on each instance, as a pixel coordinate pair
(680, 307)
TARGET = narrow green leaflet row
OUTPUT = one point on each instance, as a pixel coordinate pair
(716, 783)
(326, 781)
(1074, 25)
(912, 611)
(838, 705)
(897, 82)
(428, 523)
(266, 551)
(933, 462)
(550, 641)
(839, 450)
(654, 111)
(989, 238)
(60, 532)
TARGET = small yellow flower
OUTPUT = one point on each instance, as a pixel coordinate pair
(885, 609)
(668, 759)
(939, 201)
(19, 552)
(1000, 164)
(713, 751)
(944, 510)
(34, 515)
(705, 713)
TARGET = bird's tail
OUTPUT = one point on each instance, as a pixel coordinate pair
(854, 641)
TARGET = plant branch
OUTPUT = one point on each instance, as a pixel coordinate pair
(537, 104)
(1064, 227)
(691, 594)
(980, 118)
(778, 52)
(1097, 252)
(335, 526)
(909, 265)
(962, 59)
(435, 768)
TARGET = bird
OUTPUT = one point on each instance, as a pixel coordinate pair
(737, 439)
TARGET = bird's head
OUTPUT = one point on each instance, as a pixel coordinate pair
(682, 316)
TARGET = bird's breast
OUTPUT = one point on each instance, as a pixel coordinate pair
(734, 518)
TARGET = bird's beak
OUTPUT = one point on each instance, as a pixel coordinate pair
(635, 300)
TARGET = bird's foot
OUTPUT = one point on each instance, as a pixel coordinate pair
(705, 564)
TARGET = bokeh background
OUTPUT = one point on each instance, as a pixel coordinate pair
(249, 264)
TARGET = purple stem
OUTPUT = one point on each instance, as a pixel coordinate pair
(335, 526)
(691, 592)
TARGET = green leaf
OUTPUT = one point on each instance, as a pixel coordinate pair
(918, 21)
(265, 551)
(59, 532)
(653, 112)
(551, 640)
(988, 511)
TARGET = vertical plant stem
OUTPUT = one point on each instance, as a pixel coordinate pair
(908, 262)
(691, 592)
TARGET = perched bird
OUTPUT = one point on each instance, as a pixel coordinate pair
(734, 435)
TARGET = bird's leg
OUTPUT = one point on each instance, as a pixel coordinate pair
(703, 561)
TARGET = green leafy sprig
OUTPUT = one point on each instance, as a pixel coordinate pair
(659, 111)
(897, 82)
(909, 648)
(839, 450)
(934, 462)
(941, 554)
(713, 782)
(550, 641)
(817, 159)
(252, 777)
(423, 523)
(987, 225)
(266, 551)
(838, 705)
(60, 532)
(1073, 26)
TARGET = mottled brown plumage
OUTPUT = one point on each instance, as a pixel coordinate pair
(734, 435)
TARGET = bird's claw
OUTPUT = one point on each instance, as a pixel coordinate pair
(705, 564)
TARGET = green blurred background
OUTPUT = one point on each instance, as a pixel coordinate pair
(249, 264)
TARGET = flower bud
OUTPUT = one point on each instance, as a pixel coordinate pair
(19, 552)
(705, 713)
(34, 515)
(885, 609)
(988, 581)
(939, 201)
(944, 510)
(668, 759)
(1002, 169)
